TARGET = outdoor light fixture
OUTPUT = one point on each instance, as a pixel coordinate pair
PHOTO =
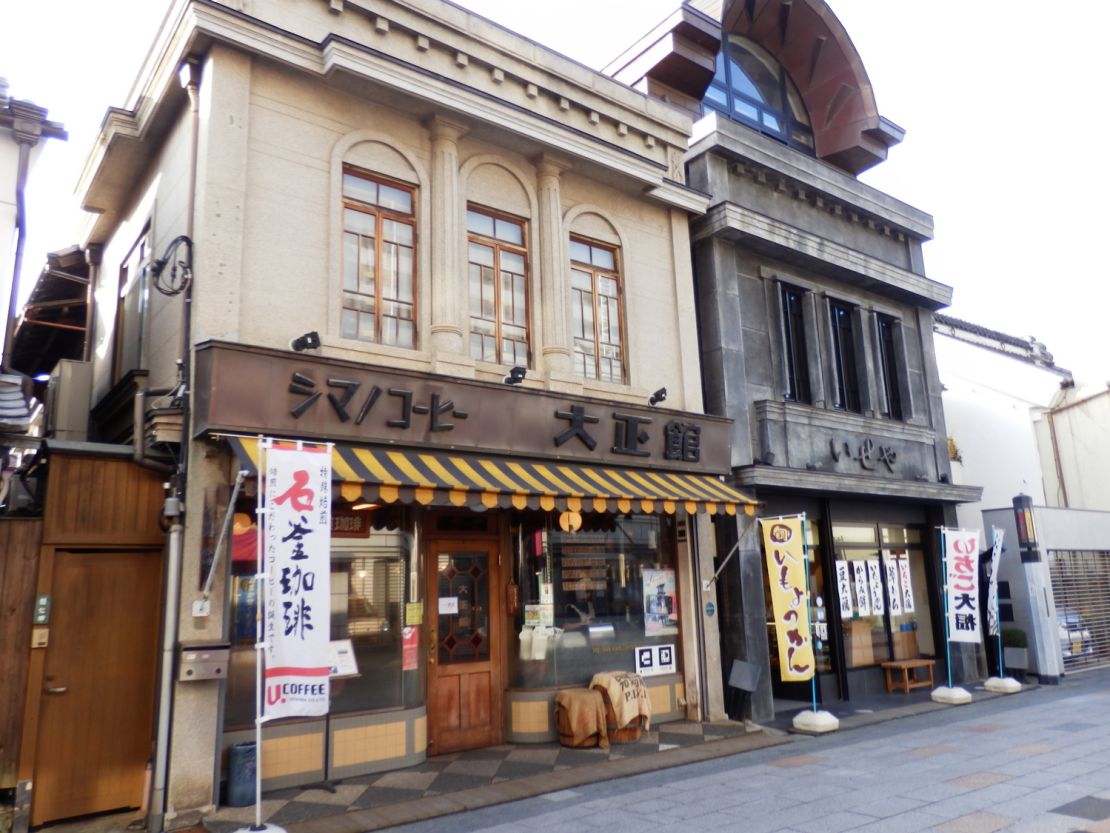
(516, 375)
(1027, 532)
(309, 341)
(657, 397)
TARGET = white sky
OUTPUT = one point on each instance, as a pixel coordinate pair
(1002, 102)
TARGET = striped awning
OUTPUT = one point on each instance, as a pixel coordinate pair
(443, 478)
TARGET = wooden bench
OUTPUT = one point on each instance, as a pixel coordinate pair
(909, 679)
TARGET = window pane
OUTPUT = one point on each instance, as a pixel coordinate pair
(406, 334)
(481, 254)
(716, 97)
(512, 262)
(772, 122)
(396, 232)
(475, 346)
(350, 262)
(359, 222)
(350, 323)
(479, 223)
(475, 289)
(396, 199)
(603, 258)
(581, 280)
(404, 274)
(357, 188)
(745, 110)
(488, 298)
(579, 252)
(509, 231)
(366, 274)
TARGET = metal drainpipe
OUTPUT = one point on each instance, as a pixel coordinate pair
(160, 778)
(1060, 484)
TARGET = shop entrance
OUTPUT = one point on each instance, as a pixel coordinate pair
(96, 708)
(465, 645)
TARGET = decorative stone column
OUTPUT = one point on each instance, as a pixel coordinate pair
(447, 280)
(554, 276)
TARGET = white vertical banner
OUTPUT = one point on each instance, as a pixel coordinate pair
(962, 580)
(297, 543)
(863, 594)
(844, 589)
(992, 587)
(907, 583)
(893, 592)
(875, 579)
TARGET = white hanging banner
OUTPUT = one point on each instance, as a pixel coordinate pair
(875, 578)
(907, 583)
(863, 594)
(962, 578)
(893, 592)
(844, 589)
(992, 587)
(297, 542)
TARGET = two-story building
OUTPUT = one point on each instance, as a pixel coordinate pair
(816, 323)
(460, 259)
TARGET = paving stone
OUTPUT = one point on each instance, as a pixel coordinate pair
(976, 823)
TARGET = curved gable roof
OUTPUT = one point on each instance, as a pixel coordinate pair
(812, 45)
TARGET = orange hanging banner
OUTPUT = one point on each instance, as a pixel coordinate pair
(784, 546)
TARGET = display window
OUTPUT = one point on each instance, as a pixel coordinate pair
(589, 598)
(375, 612)
(882, 593)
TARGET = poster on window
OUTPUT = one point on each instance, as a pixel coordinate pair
(784, 546)
(863, 591)
(961, 555)
(660, 610)
(844, 589)
(992, 586)
(875, 583)
(296, 542)
(906, 582)
(893, 592)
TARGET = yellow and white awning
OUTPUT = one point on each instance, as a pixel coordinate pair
(444, 478)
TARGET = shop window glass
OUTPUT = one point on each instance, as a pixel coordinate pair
(882, 594)
(597, 594)
(372, 582)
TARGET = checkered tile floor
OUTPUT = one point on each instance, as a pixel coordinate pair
(463, 770)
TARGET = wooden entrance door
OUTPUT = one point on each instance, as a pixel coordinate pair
(97, 701)
(464, 655)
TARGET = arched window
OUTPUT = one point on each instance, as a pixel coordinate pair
(750, 86)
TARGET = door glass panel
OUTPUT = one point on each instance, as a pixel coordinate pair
(463, 590)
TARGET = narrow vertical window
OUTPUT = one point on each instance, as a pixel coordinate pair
(132, 310)
(846, 377)
(596, 308)
(379, 260)
(797, 365)
(498, 267)
(889, 366)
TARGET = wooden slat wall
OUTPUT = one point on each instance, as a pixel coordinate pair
(19, 546)
(102, 502)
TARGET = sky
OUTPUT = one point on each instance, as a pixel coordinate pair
(1001, 101)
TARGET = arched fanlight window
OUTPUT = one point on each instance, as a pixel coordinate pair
(750, 86)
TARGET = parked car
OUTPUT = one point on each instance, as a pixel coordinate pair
(1075, 636)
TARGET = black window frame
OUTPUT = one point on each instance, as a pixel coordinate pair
(890, 371)
(846, 387)
(796, 356)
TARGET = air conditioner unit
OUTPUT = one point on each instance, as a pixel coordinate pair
(68, 394)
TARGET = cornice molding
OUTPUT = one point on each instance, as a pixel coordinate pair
(800, 480)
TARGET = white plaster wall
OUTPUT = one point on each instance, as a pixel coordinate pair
(1077, 439)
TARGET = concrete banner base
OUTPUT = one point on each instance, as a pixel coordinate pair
(815, 722)
(952, 696)
(1002, 685)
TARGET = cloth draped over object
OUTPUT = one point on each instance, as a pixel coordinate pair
(585, 713)
(628, 695)
(384, 474)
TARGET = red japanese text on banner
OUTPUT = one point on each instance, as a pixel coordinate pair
(297, 544)
(786, 571)
(962, 563)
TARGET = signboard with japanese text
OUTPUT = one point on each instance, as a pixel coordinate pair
(907, 583)
(893, 591)
(992, 588)
(863, 589)
(844, 589)
(297, 617)
(784, 546)
(961, 553)
(875, 583)
(240, 389)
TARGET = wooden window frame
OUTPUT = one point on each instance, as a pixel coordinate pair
(597, 272)
(845, 357)
(120, 334)
(498, 246)
(796, 354)
(380, 213)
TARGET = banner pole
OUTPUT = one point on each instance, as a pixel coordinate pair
(259, 655)
(944, 586)
(997, 609)
(809, 608)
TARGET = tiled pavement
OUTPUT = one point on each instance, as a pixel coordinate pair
(468, 770)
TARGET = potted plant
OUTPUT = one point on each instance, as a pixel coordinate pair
(1015, 647)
